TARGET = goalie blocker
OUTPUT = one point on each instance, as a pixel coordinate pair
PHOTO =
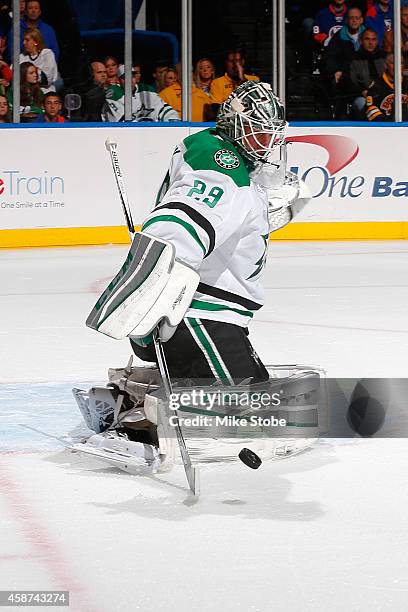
(151, 289)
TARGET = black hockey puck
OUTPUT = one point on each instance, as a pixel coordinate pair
(368, 406)
(250, 458)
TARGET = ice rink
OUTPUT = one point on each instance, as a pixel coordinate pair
(325, 530)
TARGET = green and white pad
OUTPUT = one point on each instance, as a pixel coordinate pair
(151, 287)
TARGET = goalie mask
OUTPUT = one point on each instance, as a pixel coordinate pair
(253, 118)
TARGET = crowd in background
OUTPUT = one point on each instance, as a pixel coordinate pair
(339, 59)
(161, 100)
(39, 77)
(343, 55)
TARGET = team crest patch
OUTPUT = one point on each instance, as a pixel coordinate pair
(226, 159)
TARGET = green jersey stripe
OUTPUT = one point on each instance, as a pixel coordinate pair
(173, 219)
(200, 305)
(191, 324)
(211, 354)
(165, 111)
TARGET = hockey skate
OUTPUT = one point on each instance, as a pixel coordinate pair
(132, 419)
(127, 434)
(116, 448)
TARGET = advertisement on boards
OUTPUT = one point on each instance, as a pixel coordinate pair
(353, 174)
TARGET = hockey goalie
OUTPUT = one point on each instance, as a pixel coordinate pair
(191, 283)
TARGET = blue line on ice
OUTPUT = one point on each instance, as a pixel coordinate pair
(49, 407)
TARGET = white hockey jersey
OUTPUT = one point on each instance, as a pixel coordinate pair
(147, 105)
(217, 219)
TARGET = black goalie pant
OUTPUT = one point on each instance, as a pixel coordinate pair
(209, 351)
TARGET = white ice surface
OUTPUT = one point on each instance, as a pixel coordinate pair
(322, 531)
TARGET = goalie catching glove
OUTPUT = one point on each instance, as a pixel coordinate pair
(287, 195)
(151, 289)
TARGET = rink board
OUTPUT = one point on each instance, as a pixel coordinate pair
(67, 195)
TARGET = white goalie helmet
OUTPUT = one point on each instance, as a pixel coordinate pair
(253, 118)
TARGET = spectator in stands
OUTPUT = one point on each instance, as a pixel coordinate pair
(204, 74)
(341, 51)
(93, 99)
(172, 96)
(381, 97)
(5, 112)
(114, 109)
(137, 75)
(344, 45)
(36, 53)
(169, 77)
(31, 96)
(329, 21)
(380, 18)
(32, 19)
(100, 74)
(389, 37)
(233, 77)
(112, 67)
(158, 71)
(52, 109)
(368, 65)
(147, 105)
(5, 76)
(136, 79)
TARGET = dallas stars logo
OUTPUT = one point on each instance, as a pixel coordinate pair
(262, 260)
(226, 159)
(143, 113)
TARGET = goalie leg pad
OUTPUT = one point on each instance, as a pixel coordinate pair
(150, 287)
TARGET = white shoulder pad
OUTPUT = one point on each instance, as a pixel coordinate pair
(152, 286)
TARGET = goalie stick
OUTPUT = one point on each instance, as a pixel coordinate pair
(112, 149)
(192, 473)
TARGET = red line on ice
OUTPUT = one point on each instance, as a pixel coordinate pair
(99, 285)
(37, 535)
(15, 557)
